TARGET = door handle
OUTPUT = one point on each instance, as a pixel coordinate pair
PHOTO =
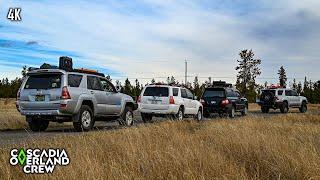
(92, 92)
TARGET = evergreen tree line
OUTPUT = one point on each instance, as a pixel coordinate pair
(248, 70)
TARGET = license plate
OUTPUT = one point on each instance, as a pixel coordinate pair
(40, 98)
(155, 102)
(213, 102)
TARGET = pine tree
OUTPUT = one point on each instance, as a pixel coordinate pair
(127, 88)
(282, 77)
(294, 85)
(248, 69)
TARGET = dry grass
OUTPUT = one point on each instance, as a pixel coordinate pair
(254, 147)
(9, 116)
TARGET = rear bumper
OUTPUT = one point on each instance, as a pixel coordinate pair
(43, 113)
(217, 109)
(173, 109)
(270, 105)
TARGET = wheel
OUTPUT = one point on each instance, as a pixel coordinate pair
(126, 118)
(180, 114)
(146, 117)
(37, 125)
(85, 119)
(244, 112)
(265, 109)
(303, 107)
(284, 108)
(198, 116)
(232, 112)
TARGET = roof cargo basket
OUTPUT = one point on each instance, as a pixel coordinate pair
(221, 84)
(65, 63)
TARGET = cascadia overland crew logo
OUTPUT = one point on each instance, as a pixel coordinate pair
(39, 161)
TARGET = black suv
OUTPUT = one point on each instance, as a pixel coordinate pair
(223, 99)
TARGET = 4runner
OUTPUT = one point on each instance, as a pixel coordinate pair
(276, 97)
(82, 97)
(165, 100)
(223, 99)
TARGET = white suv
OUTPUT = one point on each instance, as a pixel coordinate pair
(165, 100)
(281, 98)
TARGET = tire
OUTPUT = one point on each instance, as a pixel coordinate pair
(37, 125)
(284, 108)
(265, 109)
(198, 116)
(244, 112)
(146, 117)
(179, 116)
(126, 118)
(85, 119)
(232, 112)
(303, 107)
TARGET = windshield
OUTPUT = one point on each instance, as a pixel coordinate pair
(214, 93)
(156, 91)
(43, 81)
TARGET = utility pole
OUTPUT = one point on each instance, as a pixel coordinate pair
(185, 73)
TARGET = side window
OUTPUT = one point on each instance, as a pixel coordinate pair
(294, 93)
(74, 80)
(106, 85)
(184, 93)
(94, 83)
(229, 93)
(189, 94)
(280, 92)
(288, 93)
(237, 94)
(175, 91)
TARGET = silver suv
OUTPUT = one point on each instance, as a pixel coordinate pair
(61, 96)
(281, 98)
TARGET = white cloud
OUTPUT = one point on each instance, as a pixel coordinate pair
(155, 38)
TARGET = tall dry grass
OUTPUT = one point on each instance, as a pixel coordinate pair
(253, 147)
(10, 118)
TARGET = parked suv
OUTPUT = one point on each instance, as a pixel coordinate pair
(222, 98)
(166, 100)
(276, 97)
(81, 97)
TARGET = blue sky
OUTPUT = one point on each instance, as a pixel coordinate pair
(152, 38)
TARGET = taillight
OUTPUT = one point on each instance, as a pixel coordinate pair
(139, 99)
(171, 100)
(18, 95)
(202, 101)
(65, 93)
(225, 102)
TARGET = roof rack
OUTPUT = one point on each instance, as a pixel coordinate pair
(220, 84)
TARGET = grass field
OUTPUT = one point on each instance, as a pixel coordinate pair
(274, 146)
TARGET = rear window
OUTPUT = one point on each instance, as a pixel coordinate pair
(156, 91)
(214, 93)
(74, 80)
(43, 81)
